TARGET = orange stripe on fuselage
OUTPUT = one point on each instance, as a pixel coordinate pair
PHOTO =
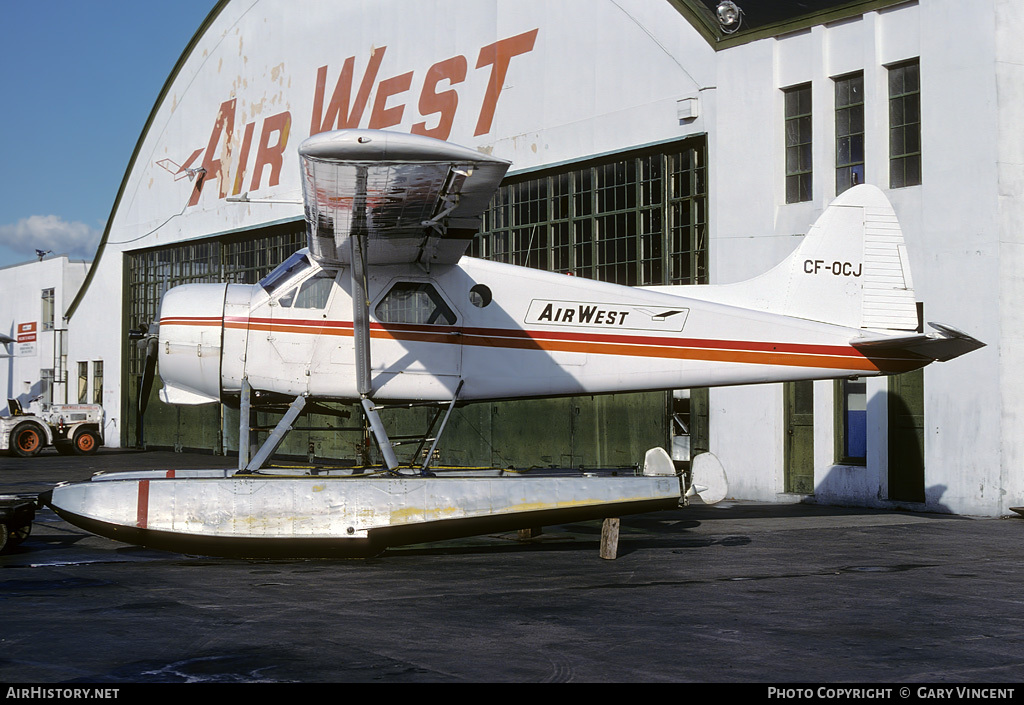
(658, 347)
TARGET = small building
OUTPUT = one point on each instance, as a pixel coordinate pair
(652, 142)
(34, 298)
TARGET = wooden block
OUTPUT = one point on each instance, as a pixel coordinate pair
(610, 539)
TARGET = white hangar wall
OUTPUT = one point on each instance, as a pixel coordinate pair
(960, 225)
(534, 82)
(543, 84)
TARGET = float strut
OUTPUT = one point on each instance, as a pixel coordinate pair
(276, 436)
(380, 434)
(425, 470)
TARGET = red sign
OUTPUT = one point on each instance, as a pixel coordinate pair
(27, 332)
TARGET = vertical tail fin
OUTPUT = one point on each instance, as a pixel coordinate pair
(851, 269)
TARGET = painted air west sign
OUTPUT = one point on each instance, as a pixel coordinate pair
(246, 155)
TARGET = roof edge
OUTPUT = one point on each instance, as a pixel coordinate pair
(707, 27)
(185, 55)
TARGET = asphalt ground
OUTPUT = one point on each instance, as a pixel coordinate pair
(738, 593)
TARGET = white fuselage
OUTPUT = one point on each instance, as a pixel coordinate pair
(504, 331)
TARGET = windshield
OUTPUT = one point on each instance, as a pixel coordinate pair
(292, 266)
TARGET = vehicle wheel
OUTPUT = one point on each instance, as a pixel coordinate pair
(86, 443)
(26, 440)
(18, 534)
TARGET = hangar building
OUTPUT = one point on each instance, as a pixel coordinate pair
(652, 142)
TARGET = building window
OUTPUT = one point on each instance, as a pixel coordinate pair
(46, 385)
(634, 219)
(905, 124)
(47, 315)
(849, 131)
(97, 382)
(851, 422)
(83, 382)
(798, 143)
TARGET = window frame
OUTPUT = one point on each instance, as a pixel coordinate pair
(83, 382)
(842, 423)
(432, 292)
(798, 138)
(97, 382)
(634, 218)
(904, 124)
(849, 116)
(48, 311)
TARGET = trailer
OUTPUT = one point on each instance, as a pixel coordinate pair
(16, 515)
(70, 428)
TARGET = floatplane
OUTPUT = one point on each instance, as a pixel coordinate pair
(383, 307)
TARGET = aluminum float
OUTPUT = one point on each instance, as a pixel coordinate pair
(221, 513)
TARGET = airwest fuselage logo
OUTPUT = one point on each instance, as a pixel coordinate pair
(603, 315)
(228, 158)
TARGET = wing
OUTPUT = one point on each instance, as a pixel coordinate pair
(409, 198)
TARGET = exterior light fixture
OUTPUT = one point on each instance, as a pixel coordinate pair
(730, 16)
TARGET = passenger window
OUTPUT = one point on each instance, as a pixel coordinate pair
(414, 302)
(315, 291)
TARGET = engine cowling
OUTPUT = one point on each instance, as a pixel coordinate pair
(191, 338)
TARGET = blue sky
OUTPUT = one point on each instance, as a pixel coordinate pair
(78, 79)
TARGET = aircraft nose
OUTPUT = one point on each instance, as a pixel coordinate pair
(191, 330)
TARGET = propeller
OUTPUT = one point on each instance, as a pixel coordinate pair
(146, 337)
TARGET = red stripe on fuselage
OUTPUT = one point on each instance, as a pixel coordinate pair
(653, 346)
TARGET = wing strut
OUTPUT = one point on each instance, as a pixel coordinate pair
(361, 321)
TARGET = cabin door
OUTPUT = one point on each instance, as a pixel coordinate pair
(416, 350)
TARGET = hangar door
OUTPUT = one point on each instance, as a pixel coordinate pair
(635, 218)
(906, 437)
(243, 259)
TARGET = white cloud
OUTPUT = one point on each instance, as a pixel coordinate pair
(50, 232)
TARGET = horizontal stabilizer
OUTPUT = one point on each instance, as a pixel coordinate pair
(945, 345)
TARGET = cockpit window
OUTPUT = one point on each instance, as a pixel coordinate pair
(292, 266)
(414, 302)
(315, 291)
(287, 299)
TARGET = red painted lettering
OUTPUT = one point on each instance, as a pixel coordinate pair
(243, 158)
(383, 116)
(338, 115)
(223, 125)
(272, 156)
(498, 56)
(446, 103)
